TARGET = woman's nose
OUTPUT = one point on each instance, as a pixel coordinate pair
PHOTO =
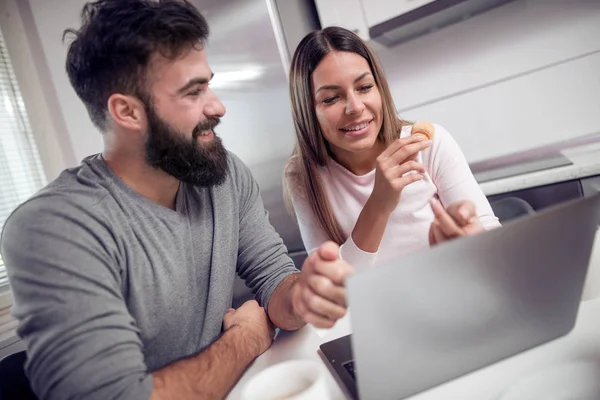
(354, 106)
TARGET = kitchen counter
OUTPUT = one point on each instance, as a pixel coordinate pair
(569, 160)
(540, 178)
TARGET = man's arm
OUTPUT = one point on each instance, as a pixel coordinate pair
(262, 262)
(81, 340)
(281, 307)
(316, 295)
(212, 373)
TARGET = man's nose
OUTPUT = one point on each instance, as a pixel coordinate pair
(214, 107)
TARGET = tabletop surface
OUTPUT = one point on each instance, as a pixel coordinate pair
(581, 345)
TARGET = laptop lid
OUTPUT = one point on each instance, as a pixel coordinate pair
(432, 316)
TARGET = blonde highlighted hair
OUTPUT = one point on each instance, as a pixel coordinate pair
(312, 151)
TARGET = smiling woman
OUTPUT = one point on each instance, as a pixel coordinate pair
(357, 176)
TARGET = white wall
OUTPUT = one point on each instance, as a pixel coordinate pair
(520, 76)
(51, 18)
(258, 121)
(258, 125)
(37, 87)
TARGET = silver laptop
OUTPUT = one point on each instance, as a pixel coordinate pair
(439, 314)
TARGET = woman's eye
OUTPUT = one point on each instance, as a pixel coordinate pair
(365, 88)
(330, 100)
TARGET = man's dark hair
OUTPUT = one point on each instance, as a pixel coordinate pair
(111, 51)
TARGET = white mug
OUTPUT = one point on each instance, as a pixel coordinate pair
(290, 380)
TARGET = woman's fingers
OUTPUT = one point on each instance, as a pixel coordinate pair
(446, 223)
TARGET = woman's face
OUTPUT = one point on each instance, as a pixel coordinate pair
(347, 102)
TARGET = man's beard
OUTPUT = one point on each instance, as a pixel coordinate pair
(189, 160)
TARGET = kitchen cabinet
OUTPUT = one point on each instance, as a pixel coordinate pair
(391, 22)
(541, 197)
(377, 12)
(590, 185)
(545, 196)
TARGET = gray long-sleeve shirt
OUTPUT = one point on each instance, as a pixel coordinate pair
(109, 286)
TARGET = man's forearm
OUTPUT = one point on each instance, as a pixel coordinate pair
(210, 374)
(281, 311)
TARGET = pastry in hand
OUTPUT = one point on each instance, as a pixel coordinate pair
(423, 128)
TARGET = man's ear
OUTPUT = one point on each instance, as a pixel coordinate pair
(127, 112)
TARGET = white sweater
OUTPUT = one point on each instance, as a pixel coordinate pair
(447, 177)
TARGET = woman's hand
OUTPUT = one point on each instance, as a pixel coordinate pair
(459, 219)
(391, 172)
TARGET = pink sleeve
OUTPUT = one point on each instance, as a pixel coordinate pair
(452, 176)
(313, 236)
(356, 257)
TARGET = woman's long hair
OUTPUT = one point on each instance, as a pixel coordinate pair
(312, 150)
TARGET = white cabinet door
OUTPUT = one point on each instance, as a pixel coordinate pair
(345, 13)
(378, 11)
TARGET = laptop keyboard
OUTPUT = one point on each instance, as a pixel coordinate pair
(350, 368)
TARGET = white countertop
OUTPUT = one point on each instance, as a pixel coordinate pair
(581, 345)
(585, 159)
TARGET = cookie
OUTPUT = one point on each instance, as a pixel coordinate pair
(423, 128)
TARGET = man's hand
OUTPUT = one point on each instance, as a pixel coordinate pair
(253, 319)
(319, 295)
(459, 219)
(214, 371)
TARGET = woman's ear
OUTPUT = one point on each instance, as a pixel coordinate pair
(127, 112)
